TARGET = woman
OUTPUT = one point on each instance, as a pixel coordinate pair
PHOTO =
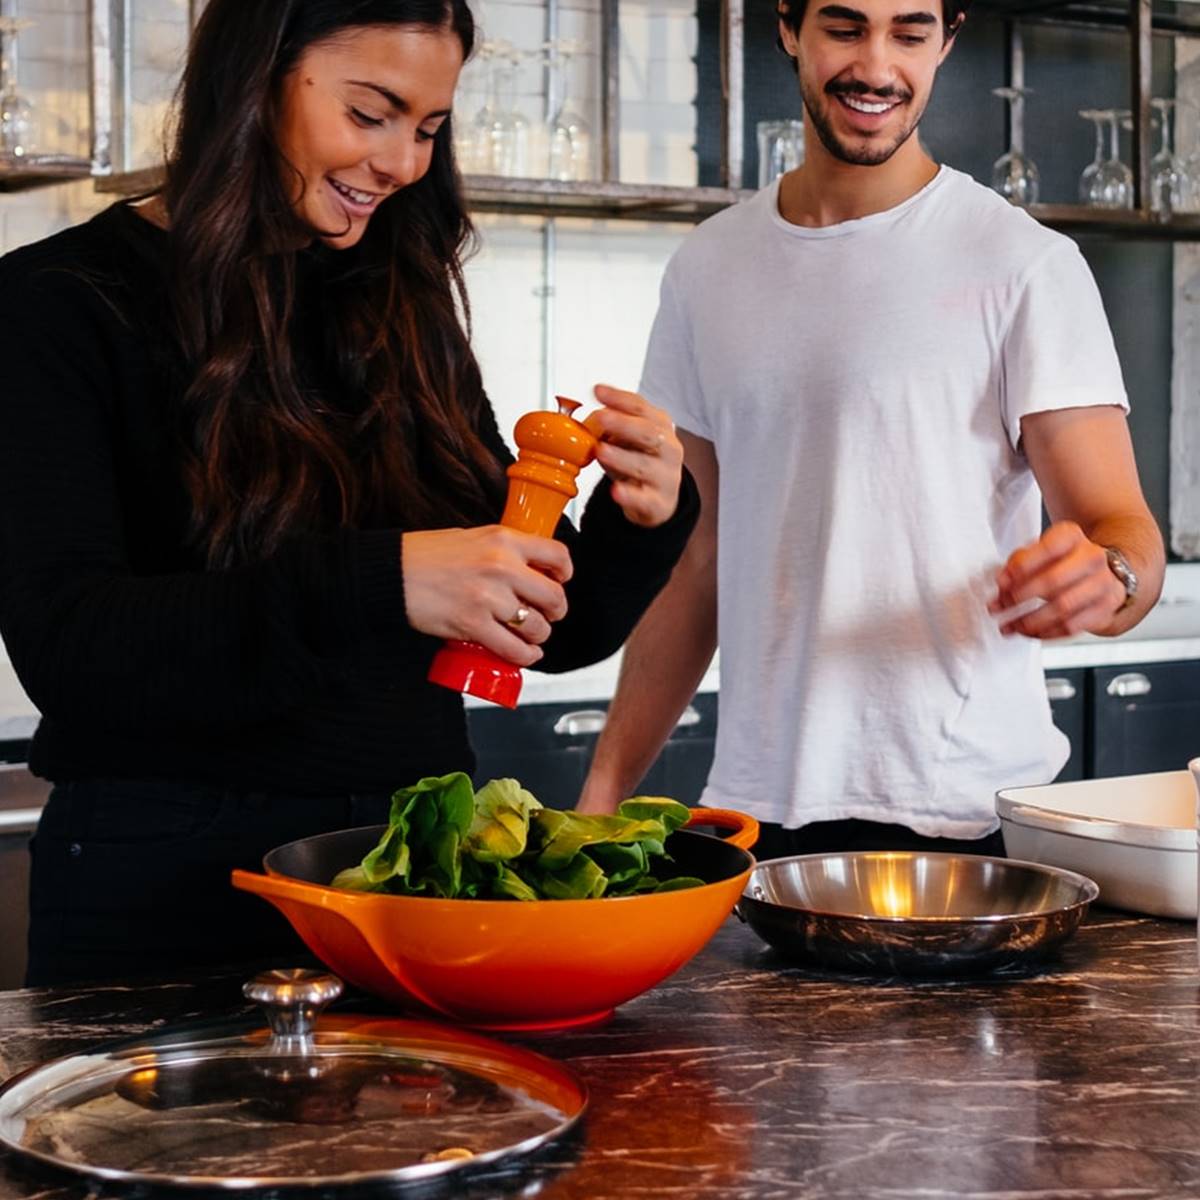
(249, 481)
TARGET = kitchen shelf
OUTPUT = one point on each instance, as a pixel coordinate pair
(648, 202)
(541, 197)
(1123, 223)
(609, 199)
(622, 201)
(131, 183)
(40, 170)
(1176, 17)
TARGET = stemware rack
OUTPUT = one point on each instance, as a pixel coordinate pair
(608, 197)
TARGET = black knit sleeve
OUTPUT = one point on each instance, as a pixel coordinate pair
(619, 568)
(94, 640)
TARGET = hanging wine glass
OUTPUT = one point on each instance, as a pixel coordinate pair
(1106, 182)
(488, 137)
(1014, 174)
(17, 121)
(473, 74)
(512, 153)
(1170, 184)
(1092, 170)
(569, 140)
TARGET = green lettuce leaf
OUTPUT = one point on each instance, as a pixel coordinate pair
(500, 828)
(580, 879)
(444, 839)
(671, 813)
(419, 852)
(508, 884)
(564, 834)
(623, 864)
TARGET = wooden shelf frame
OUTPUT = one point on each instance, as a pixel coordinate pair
(42, 170)
(644, 202)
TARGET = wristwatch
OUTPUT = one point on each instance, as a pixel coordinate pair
(1118, 564)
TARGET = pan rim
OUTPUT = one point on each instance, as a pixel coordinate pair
(933, 920)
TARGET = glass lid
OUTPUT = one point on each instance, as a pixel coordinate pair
(302, 1103)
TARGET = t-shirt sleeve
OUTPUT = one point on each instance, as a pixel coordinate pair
(669, 377)
(1058, 352)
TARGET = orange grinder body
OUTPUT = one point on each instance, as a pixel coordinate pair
(553, 447)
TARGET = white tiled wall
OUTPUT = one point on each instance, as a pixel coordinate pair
(605, 275)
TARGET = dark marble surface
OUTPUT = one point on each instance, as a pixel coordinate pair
(744, 1077)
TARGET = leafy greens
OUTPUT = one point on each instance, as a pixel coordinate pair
(444, 839)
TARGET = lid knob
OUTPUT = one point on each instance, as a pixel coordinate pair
(292, 1001)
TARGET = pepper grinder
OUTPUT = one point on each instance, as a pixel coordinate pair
(553, 447)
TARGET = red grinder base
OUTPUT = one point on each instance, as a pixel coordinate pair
(468, 667)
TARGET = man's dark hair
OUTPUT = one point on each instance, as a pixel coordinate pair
(791, 13)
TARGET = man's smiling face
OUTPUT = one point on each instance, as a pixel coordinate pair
(866, 72)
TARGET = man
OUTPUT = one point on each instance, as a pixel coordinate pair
(874, 366)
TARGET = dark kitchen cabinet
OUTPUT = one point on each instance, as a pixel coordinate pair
(1067, 691)
(1119, 720)
(681, 770)
(1144, 717)
(14, 750)
(548, 747)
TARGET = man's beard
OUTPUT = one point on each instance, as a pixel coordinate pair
(869, 155)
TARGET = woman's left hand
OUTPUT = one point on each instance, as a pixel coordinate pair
(641, 455)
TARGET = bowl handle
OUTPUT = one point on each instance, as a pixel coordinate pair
(744, 826)
(273, 887)
(343, 903)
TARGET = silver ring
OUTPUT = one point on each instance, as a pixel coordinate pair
(518, 618)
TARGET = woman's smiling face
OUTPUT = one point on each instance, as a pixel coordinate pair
(357, 117)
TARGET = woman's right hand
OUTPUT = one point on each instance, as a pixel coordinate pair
(473, 584)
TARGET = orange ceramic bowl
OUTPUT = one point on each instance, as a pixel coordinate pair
(506, 964)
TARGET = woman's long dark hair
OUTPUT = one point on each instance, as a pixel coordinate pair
(385, 430)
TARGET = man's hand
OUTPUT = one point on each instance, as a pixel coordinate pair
(1083, 461)
(1070, 574)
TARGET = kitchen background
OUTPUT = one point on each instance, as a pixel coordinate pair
(562, 303)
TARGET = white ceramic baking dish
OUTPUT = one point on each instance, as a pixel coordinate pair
(1135, 835)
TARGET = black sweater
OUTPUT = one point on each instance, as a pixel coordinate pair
(298, 674)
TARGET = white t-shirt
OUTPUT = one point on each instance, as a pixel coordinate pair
(863, 385)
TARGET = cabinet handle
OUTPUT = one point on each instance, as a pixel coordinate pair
(19, 820)
(1132, 684)
(1058, 688)
(581, 723)
(591, 720)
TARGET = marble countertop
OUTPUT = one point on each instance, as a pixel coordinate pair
(743, 1078)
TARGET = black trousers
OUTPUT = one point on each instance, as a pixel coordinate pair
(131, 878)
(829, 837)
